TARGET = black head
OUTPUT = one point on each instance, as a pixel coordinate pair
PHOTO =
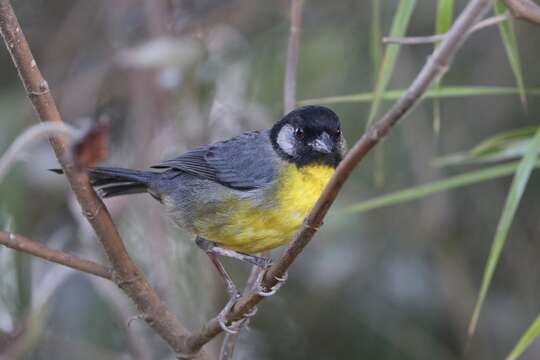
(309, 135)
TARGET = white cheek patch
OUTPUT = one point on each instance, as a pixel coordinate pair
(286, 140)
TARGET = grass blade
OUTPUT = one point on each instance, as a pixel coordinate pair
(421, 191)
(509, 39)
(530, 335)
(399, 26)
(512, 201)
(400, 23)
(444, 18)
(444, 92)
(375, 49)
(503, 146)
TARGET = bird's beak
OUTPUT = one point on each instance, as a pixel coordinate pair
(323, 144)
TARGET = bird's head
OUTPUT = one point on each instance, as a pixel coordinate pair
(309, 135)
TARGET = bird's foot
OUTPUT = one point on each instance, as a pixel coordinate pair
(233, 327)
(263, 290)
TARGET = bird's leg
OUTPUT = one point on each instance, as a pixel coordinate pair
(210, 247)
(230, 327)
(234, 294)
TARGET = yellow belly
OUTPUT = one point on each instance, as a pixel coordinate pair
(253, 230)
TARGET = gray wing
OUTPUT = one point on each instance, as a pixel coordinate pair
(244, 162)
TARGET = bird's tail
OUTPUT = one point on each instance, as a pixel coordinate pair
(111, 181)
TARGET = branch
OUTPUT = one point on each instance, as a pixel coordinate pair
(436, 65)
(418, 40)
(125, 273)
(289, 93)
(524, 10)
(20, 243)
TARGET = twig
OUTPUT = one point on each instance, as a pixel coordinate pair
(524, 10)
(20, 243)
(125, 273)
(419, 40)
(289, 93)
(436, 65)
(29, 136)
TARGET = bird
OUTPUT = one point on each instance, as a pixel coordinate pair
(244, 195)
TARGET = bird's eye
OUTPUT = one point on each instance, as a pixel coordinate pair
(299, 133)
(338, 132)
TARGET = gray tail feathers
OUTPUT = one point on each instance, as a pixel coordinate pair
(111, 181)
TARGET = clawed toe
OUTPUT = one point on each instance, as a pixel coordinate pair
(233, 327)
(265, 292)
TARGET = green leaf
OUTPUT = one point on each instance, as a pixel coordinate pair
(445, 15)
(444, 18)
(495, 142)
(444, 92)
(530, 335)
(512, 201)
(400, 23)
(503, 146)
(509, 39)
(421, 191)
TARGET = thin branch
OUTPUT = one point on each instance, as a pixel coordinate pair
(526, 10)
(29, 136)
(289, 93)
(20, 243)
(125, 273)
(436, 65)
(419, 40)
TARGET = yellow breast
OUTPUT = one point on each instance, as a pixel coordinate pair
(255, 229)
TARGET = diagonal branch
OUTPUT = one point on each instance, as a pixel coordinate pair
(524, 10)
(125, 273)
(20, 243)
(436, 65)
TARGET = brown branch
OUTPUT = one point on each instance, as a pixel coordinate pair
(436, 65)
(289, 93)
(526, 10)
(125, 273)
(20, 243)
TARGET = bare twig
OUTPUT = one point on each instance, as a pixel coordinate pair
(29, 136)
(20, 243)
(125, 273)
(289, 93)
(436, 65)
(419, 40)
(526, 10)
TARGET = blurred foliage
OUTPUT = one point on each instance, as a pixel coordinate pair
(398, 282)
